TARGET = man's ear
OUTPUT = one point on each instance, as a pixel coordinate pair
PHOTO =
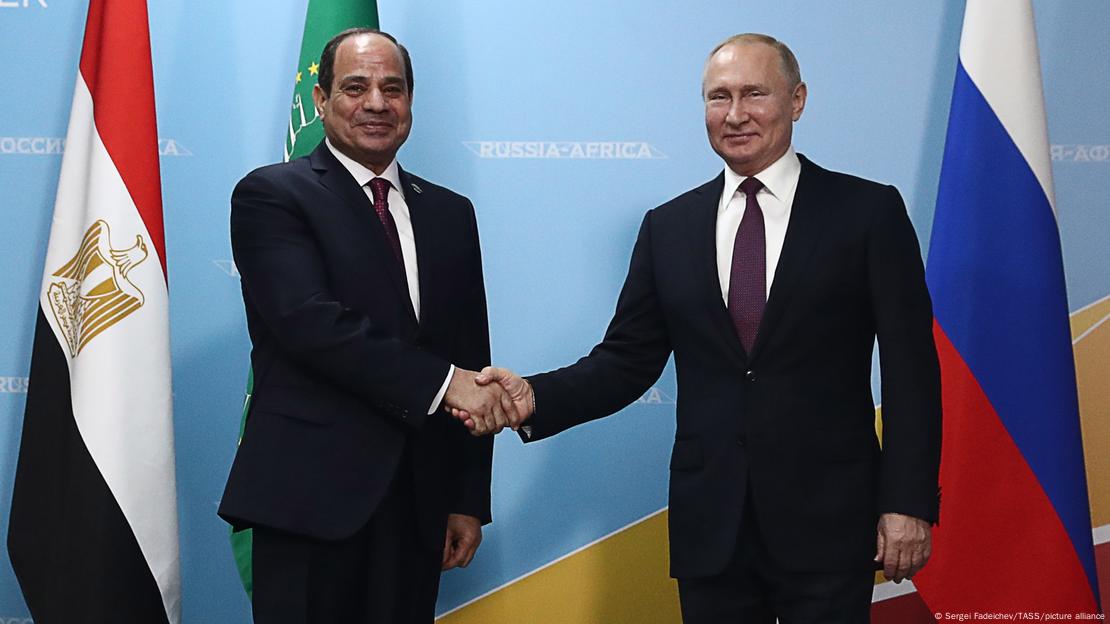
(319, 98)
(799, 100)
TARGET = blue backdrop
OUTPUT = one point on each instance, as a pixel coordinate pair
(563, 121)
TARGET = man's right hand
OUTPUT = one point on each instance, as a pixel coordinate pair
(489, 408)
(516, 389)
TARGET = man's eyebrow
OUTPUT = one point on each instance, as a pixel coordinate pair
(362, 78)
(747, 87)
(354, 78)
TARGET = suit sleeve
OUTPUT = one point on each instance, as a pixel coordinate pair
(285, 281)
(911, 408)
(618, 370)
(473, 456)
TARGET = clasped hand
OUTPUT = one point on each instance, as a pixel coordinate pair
(489, 401)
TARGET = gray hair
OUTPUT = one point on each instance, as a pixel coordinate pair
(789, 63)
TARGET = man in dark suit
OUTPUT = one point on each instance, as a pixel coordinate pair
(770, 284)
(363, 292)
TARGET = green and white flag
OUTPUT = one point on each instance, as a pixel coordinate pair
(323, 20)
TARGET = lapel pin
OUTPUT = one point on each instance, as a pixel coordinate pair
(417, 188)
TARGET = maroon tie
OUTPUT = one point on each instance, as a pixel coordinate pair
(747, 283)
(380, 189)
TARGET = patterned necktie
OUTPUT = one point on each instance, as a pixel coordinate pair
(747, 284)
(380, 189)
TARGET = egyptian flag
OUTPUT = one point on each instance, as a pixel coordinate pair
(1015, 526)
(93, 530)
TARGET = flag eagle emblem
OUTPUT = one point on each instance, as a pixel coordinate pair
(94, 291)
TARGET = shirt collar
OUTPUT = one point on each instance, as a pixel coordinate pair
(363, 175)
(778, 178)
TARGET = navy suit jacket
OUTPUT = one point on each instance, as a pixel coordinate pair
(344, 373)
(792, 422)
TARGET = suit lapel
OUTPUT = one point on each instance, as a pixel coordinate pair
(802, 233)
(706, 200)
(338, 180)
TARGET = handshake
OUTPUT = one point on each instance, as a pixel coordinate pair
(489, 401)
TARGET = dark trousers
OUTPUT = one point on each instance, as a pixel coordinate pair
(755, 589)
(383, 574)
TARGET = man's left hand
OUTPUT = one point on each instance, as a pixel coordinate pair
(464, 533)
(904, 545)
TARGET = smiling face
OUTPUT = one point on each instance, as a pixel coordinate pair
(368, 114)
(750, 107)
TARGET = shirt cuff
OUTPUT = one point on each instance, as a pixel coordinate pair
(442, 390)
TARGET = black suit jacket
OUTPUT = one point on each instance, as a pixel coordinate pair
(793, 421)
(344, 373)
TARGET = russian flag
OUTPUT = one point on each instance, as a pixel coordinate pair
(1015, 526)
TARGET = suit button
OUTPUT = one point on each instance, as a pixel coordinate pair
(741, 440)
(750, 375)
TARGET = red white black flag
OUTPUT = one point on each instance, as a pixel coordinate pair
(93, 530)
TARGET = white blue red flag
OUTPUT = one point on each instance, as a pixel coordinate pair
(1015, 525)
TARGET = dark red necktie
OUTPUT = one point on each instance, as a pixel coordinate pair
(747, 283)
(380, 189)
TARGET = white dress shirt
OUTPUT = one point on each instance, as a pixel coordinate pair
(780, 181)
(400, 212)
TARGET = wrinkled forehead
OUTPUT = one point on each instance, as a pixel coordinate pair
(749, 62)
(364, 49)
(744, 56)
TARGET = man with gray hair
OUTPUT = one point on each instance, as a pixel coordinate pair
(770, 284)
